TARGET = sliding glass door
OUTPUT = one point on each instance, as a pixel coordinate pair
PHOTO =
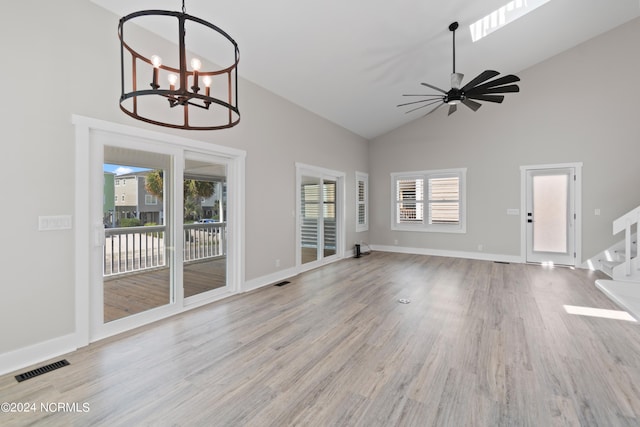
(320, 210)
(159, 226)
(204, 268)
(137, 271)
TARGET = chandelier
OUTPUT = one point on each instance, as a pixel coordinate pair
(169, 93)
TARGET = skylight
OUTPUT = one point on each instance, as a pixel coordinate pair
(503, 16)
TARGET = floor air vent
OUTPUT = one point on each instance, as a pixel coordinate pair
(282, 283)
(42, 370)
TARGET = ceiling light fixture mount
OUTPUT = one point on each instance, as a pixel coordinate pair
(149, 84)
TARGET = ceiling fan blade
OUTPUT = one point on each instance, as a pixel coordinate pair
(499, 89)
(456, 80)
(425, 105)
(452, 109)
(433, 87)
(497, 82)
(419, 102)
(423, 94)
(434, 109)
(472, 104)
(482, 77)
(488, 98)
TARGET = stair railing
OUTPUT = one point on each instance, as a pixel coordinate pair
(625, 222)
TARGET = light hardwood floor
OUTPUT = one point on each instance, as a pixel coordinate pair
(480, 344)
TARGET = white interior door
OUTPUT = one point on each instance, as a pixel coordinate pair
(550, 216)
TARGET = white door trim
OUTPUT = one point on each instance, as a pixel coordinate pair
(578, 207)
(87, 234)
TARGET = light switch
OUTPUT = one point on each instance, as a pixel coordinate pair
(513, 211)
(56, 222)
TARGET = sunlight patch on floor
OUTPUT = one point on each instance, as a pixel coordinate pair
(599, 312)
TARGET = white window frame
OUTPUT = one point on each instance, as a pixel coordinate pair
(424, 226)
(362, 177)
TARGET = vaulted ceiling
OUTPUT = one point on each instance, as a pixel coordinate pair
(350, 61)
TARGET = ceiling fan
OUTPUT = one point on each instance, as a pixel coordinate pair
(476, 89)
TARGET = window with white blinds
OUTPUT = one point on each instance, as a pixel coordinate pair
(444, 200)
(310, 201)
(410, 200)
(362, 201)
(310, 198)
(429, 201)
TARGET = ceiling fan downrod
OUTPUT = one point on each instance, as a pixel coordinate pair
(453, 27)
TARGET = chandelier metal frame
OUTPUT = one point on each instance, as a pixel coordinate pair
(185, 91)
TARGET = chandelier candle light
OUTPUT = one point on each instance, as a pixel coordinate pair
(150, 87)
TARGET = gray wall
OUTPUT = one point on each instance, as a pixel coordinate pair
(62, 58)
(580, 106)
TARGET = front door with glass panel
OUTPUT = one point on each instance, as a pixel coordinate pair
(550, 216)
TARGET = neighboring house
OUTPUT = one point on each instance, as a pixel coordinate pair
(108, 201)
(132, 200)
(211, 205)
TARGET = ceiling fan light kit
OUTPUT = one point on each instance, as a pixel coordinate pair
(151, 84)
(481, 88)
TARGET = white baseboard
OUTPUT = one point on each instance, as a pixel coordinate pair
(36, 353)
(483, 256)
(269, 279)
(278, 276)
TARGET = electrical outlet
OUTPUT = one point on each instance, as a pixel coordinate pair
(277, 263)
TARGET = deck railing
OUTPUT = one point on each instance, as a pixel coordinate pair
(203, 241)
(132, 249)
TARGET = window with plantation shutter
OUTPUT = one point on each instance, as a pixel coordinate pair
(410, 200)
(311, 201)
(429, 201)
(444, 200)
(362, 201)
